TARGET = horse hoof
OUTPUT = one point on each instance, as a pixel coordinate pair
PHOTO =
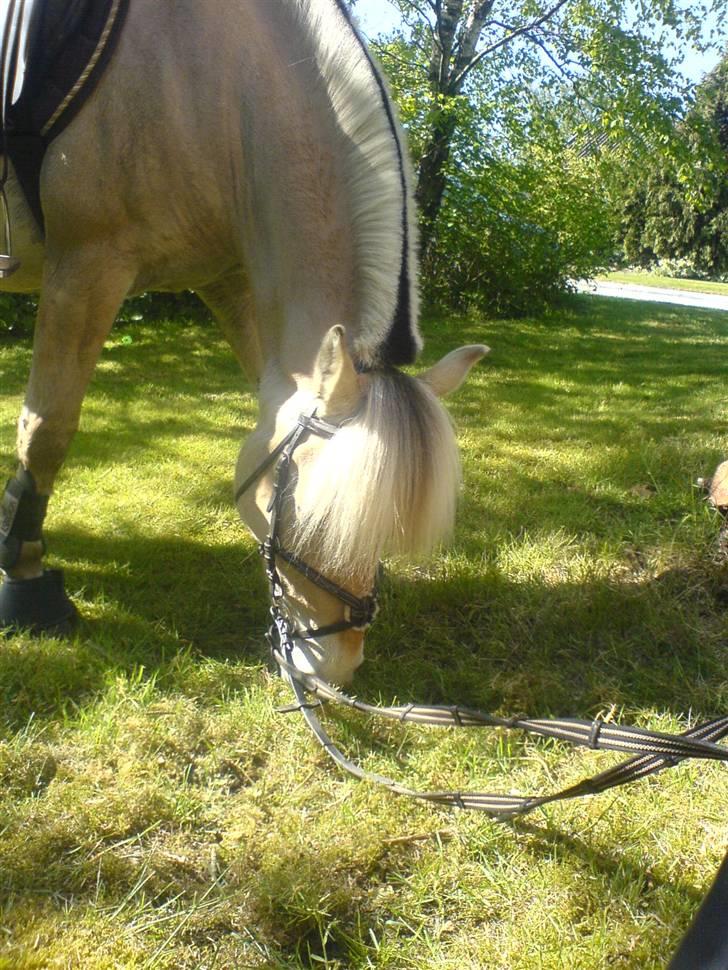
(37, 605)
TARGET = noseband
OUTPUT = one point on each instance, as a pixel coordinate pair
(360, 610)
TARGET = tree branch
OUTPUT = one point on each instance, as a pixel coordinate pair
(557, 64)
(457, 81)
(423, 13)
(469, 35)
(384, 52)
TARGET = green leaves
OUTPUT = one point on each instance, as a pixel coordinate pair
(678, 209)
(526, 121)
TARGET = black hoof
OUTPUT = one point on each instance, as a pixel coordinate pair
(37, 605)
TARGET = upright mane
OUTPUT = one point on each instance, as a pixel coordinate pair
(387, 481)
(371, 145)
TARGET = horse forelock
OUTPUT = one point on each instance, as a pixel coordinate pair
(386, 483)
(379, 187)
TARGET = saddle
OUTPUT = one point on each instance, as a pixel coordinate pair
(53, 53)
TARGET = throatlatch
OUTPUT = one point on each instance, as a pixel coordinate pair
(22, 513)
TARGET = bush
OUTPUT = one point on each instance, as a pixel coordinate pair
(18, 310)
(512, 234)
(17, 314)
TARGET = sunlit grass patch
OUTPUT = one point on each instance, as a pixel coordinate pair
(156, 811)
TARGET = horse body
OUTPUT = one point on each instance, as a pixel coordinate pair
(215, 148)
(247, 151)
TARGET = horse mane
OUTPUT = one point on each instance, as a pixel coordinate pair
(371, 145)
(386, 483)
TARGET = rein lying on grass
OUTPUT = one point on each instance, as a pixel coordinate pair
(655, 750)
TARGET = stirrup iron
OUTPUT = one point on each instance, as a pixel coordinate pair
(9, 264)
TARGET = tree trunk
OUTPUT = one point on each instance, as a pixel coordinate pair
(457, 31)
(454, 43)
(431, 177)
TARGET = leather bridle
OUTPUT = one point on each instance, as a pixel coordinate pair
(360, 610)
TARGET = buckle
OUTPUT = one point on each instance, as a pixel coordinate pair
(363, 616)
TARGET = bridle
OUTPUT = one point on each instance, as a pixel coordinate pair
(654, 750)
(361, 610)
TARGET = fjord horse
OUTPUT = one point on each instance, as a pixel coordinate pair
(247, 150)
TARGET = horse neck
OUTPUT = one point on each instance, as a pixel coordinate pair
(326, 242)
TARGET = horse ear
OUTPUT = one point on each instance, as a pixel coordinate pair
(448, 374)
(338, 382)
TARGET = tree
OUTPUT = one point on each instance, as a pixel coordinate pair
(454, 55)
(678, 212)
(607, 56)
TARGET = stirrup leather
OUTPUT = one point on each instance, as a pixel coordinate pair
(20, 19)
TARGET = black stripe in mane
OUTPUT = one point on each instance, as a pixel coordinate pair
(399, 346)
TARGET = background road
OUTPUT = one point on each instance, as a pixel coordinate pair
(656, 294)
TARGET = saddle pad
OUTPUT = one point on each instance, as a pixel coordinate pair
(70, 47)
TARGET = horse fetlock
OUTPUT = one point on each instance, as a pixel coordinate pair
(22, 513)
(29, 564)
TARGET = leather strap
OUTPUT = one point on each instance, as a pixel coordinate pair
(362, 610)
(265, 464)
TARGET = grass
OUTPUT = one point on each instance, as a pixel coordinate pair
(645, 278)
(155, 810)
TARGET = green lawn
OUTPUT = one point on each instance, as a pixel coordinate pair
(665, 282)
(155, 810)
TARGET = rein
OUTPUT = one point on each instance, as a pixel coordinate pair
(654, 750)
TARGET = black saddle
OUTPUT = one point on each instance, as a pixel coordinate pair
(50, 64)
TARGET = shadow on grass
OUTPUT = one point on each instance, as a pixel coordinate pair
(651, 362)
(142, 601)
(544, 648)
(555, 648)
(478, 639)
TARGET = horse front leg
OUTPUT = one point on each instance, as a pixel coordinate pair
(230, 301)
(81, 295)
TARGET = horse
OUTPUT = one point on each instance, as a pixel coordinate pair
(248, 151)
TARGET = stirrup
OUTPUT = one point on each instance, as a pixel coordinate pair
(8, 265)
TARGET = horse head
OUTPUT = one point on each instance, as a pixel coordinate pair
(370, 468)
